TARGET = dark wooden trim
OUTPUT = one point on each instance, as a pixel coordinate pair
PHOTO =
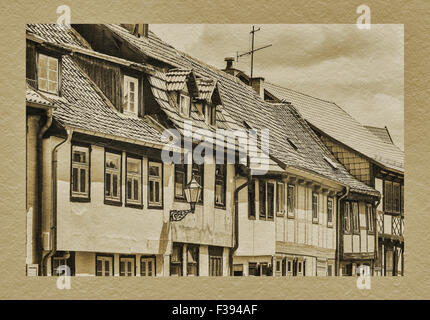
(108, 255)
(127, 256)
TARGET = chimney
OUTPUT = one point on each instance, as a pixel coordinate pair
(257, 84)
(138, 29)
(229, 67)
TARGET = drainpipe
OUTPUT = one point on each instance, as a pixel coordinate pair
(236, 219)
(38, 216)
(53, 220)
(338, 223)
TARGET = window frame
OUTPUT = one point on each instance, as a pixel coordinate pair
(49, 57)
(112, 200)
(270, 203)
(111, 264)
(178, 263)
(147, 259)
(330, 223)
(224, 186)
(159, 179)
(126, 105)
(195, 264)
(200, 169)
(181, 111)
(129, 202)
(183, 182)
(291, 210)
(315, 210)
(128, 257)
(78, 196)
(262, 203)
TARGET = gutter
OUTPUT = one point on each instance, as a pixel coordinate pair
(39, 156)
(53, 220)
(236, 220)
(339, 223)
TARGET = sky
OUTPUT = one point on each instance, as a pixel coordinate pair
(360, 70)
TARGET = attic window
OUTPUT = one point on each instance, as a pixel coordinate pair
(130, 101)
(331, 163)
(47, 73)
(292, 144)
(184, 105)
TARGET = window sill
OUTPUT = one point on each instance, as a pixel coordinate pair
(330, 225)
(219, 206)
(179, 199)
(315, 221)
(113, 203)
(251, 218)
(291, 217)
(155, 206)
(280, 214)
(134, 205)
(79, 199)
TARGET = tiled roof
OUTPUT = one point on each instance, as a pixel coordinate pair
(176, 79)
(206, 88)
(58, 34)
(335, 122)
(243, 105)
(381, 133)
(34, 96)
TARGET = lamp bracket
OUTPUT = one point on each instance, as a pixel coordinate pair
(178, 215)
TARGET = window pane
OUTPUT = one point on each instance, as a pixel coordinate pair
(107, 268)
(75, 177)
(52, 86)
(107, 184)
(83, 181)
(52, 63)
(99, 267)
(149, 268)
(143, 268)
(154, 171)
(52, 76)
(251, 199)
(115, 185)
(270, 199)
(79, 156)
(262, 200)
(315, 206)
(43, 84)
(136, 189)
(113, 161)
(129, 188)
(131, 84)
(157, 191)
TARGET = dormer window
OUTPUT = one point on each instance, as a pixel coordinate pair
(47, 73)
(184, 105)
(130, 101)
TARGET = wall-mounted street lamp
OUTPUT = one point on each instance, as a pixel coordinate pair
(192, 195)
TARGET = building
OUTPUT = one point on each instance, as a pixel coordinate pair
(108, 195)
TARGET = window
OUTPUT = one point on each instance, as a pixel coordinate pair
(112, 176)
(238, 270)
(147, 267)
(264, 269)
(369, 217)
(278, 266)
(180, 180)
(220, 184)
(330, 212)
(155, 184)
(199, 171)
(104, 266)
(127, 266)
(393, 197)
(270, 200)
(60, 261)
(300, 268)
(289, 266)
(184, 105)
(251, 200)
(47, 74)
(402, 199)
(388, 196)
(315, 207)
(253, 269)
(134, 181)
(280, 199)
(130, 101)
(291, 201)
(80, 172)
(192, 260)
(347, 218)
(215, 261)
(176, 260)
(262, 198)
(330, 270)
(355, 218)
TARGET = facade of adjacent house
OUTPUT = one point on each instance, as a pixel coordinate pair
(370, 155)
(100, 192)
